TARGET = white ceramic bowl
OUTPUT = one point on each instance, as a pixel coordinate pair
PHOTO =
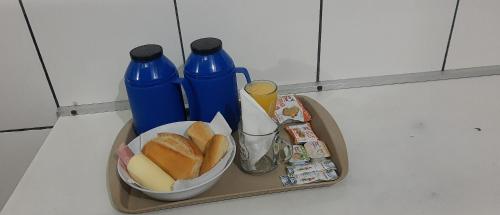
(178, 128)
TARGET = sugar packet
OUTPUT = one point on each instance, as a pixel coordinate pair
(309, 177)
(322, 166)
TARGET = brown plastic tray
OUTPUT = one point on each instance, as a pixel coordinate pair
(234, 183)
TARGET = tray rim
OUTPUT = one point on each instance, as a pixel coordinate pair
(208, 199)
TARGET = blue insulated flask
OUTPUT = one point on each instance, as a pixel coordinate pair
(210, 82)
(153, 89)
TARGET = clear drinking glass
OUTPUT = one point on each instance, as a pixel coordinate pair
(253, 146)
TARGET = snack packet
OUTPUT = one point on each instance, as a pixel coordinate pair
(289, 108)
(321, 166)
(298, 155)
(317, 149)
(308, 177)
(301, 133)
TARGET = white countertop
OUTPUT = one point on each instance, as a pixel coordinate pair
(425, 148)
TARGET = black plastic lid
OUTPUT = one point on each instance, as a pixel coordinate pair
(146, 52)
(206, 46)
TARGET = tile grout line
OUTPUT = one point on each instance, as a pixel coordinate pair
(26, 129)
(179, 30)
(450, 36)
(39, 54)
(318, 57)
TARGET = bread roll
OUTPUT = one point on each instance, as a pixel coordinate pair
(216, 149)
(201, 134)
(148, 174)
(175, 154)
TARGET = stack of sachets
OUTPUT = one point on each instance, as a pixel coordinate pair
(309, 173)
(307, 157)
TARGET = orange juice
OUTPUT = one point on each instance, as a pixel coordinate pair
(265, 93)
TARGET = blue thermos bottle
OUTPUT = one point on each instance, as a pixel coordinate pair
(153, 89)
(210, 82)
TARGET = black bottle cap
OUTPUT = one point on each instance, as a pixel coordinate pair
(146, 52)
(206, 46)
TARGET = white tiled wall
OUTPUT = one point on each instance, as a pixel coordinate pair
(86, 43)
(476, 37)
(17, 149)
(275, 39)
(25, 98)
(369, 38)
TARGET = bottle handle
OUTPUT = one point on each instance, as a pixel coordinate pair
(244, 71)
(184, 83)
(192, 103)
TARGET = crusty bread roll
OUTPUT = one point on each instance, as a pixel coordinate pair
(175, 154)
(201, 134)
(216, 149)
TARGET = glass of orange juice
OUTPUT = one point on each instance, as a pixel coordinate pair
(265, 93)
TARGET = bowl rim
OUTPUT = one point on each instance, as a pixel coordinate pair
(231, 160)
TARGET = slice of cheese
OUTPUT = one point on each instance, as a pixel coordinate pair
(148, 174)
